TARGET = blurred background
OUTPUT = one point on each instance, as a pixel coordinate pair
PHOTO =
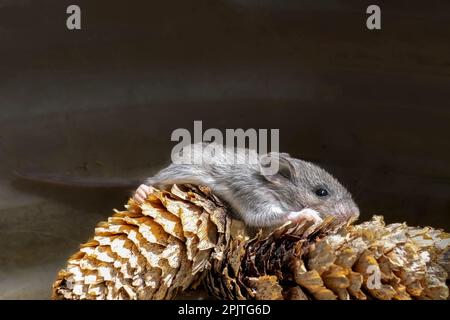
(372, 107)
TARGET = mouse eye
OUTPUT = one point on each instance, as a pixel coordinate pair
(321, 192)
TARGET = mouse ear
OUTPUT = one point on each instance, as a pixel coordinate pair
(277, 167)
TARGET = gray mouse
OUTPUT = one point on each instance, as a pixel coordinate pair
(299, 189)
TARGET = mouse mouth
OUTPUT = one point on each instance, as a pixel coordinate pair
(342, 211)
(346, 211)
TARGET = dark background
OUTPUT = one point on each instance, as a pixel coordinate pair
(370, 106)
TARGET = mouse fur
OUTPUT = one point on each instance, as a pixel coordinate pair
(259, 198)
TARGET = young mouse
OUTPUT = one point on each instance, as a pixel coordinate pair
(298, 190)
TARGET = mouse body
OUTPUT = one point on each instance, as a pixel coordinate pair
(259, 197)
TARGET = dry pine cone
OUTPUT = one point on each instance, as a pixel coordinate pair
(179, 239)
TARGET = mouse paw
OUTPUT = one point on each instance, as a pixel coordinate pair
(142, 193)
(304, 216)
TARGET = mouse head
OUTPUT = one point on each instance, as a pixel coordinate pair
(300, 184)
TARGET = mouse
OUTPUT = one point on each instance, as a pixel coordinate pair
(298, 191)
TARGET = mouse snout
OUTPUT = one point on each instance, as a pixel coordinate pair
(346, 210)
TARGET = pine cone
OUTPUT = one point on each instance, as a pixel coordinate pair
(334, 261)
(149, 251)
(177, 239)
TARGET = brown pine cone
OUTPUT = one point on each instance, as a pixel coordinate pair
(177, 239)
